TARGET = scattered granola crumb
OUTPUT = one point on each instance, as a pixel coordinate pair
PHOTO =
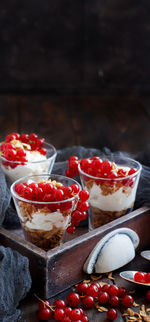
(95, 278)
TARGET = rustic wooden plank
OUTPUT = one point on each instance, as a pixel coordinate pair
(29, 306)
(90, 121)
(75, 47)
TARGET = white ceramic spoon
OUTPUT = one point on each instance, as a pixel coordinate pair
(146, 254)
(129, 276)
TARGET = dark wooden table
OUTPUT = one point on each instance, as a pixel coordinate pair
(30, 304)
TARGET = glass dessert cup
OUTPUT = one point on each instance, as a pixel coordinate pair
(44, 223)
(15, 170)
(111, 198)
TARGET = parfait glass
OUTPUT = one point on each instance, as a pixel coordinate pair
(15, 170)
(44, 223)
(110, 198)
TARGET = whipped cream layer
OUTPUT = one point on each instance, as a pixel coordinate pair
(30, 168)
(116, 201)
(46, 221)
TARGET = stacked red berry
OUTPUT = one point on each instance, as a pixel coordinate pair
(109, 295)
(59, 311)
(96, 167)
(15, 146)
(142, 277)
(86, 295)
(57, 195)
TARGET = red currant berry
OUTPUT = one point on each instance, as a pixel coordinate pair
(10, 154)
(75, 188)
(67, 310)
(47, 197)
(97, 284)
(73, 299)
(122, 292)
(82, 288)
(132, 171)
(43, 304)
(42, 151)
(70, 173)
(21, 153)
(73, 165)
(84, 195)
(45, 314)
(17, 135)
(59, 314)
(27, 194)
(140, 277)
(147, 278)
(59, 303)
(92, 290)
(85, 318)
(66, 319)
(67, 191)
(33, 137)
(96, 164)
(72, 158)
(24, 138)
(105, 288)
(59, 194)
(40, 142)
(85, 164)
(114, 301)
(103, 298)
(10, 137)
(113, 290)
(111, 314)
(127, 300)
(148, 295)
(106, 166)
(71, 229)
(88, 302)
(75, 315)
(83, 206)
(83, 215)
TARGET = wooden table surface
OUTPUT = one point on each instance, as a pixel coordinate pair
(30, 304)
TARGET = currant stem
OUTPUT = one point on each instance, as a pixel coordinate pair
(45, 304)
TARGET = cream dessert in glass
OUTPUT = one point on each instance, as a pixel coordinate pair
(112, 185)
(44, 204)
(26, 154)
(111, 182)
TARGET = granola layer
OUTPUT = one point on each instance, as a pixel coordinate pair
(99, 217)
(44, 239)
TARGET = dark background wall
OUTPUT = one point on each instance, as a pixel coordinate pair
(76, 72)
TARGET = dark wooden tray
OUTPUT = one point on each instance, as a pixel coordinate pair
(58, 269)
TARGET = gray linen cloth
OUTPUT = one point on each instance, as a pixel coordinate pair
(15, 282)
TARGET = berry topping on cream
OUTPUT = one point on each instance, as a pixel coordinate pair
(111, 184)
(26, 154)
(47, 207)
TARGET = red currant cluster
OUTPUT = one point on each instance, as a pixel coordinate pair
(13, 152)
(110, 295)
(142, 277)
(98, 168)
(61, 310)
(87, 295)
(48, 192)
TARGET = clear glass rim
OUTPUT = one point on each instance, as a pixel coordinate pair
(23, 179)
(50, 146)
(116, 179)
